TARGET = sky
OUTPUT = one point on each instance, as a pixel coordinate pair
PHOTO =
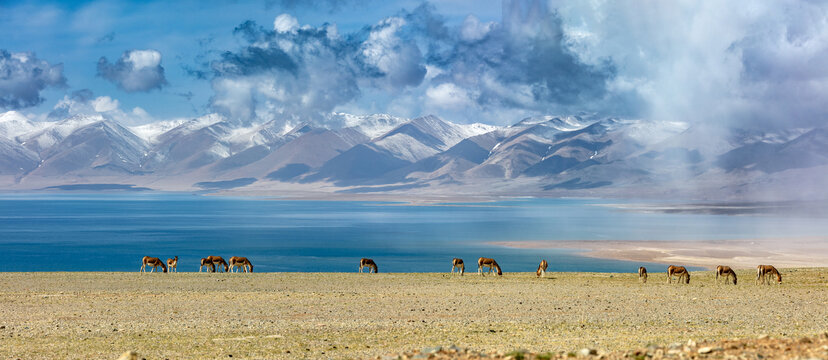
(759, 64)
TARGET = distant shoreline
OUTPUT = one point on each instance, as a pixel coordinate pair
(743, 254)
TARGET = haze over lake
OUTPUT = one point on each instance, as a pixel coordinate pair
(111, 232)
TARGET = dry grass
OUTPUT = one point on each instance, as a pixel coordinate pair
(334, 315)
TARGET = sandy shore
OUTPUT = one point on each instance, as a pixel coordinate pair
(334, 315)
(742, 254)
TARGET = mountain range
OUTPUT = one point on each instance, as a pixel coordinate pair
(579, 155)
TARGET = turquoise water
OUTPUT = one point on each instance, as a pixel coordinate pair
(111, 232)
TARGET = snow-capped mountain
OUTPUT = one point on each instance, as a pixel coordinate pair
(544, 154)
(371, 125)
(150, 132)
(51, 134)
(425, 136)
(14, 124)
(101, 147)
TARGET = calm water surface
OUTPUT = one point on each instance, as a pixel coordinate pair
(111, 232)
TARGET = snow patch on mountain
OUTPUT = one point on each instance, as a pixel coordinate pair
(150, 132)
(475, 129)
(371, 125)
(55, 132)
(562, 123)
(198, 124)
(14, 124)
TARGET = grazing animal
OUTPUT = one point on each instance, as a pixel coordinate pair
(642, 274)
(769, 270)
(542, 268)
(679, 271)
(208, 263)
(726, 272)
(172, 264)
(370, 264)
(458, 264)
(489, 263)
(241, 262)
(218, 260)
(152, 261)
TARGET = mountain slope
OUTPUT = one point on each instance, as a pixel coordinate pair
(102, 147)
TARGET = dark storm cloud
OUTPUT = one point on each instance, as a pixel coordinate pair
(135, 71)
(23, 76)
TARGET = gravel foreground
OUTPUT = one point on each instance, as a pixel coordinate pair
(340, 316)
(763, 347)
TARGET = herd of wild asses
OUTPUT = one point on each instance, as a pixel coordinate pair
(763, 272)
(209, 262)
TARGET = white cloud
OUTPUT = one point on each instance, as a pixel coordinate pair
(104, 104)
(473, 30)
(82, 103)
(448, 95)
(285, 23)
(141, 59)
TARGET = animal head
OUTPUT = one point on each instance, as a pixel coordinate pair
(687, 279)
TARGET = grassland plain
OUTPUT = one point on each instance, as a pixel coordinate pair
(70, 315)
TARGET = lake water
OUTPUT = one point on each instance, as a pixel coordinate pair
(111, 232)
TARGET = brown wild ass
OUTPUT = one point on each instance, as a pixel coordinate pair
(218, 260)
(642, 274)
(172, 264)
(152, 261)
(542, 268)
(370, 264)
(768, 270)
(457, 263)
(726, 272)
(679, 271)
(208, 263)
(489, 263)
(241, 262)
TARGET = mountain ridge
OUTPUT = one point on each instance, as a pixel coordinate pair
(542, 155)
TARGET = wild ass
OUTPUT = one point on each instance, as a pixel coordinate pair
(679, 271)
(489, 263)
(152, 261)
(370, 264)
(457, 263)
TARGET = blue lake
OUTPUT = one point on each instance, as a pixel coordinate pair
(111, 232)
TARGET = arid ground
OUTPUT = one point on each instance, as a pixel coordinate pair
(334, 315)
